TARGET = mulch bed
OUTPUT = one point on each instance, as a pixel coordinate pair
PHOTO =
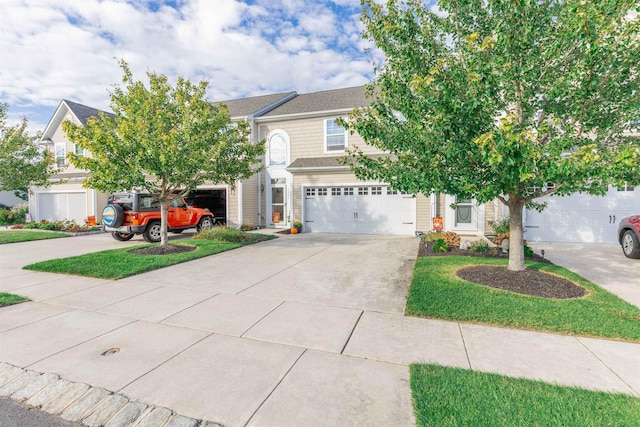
(528, 282)
(166, 250)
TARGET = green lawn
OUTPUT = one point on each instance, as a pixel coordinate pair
(15, 236)
(119, 263)
(458, 397)
(9, 299)
(436, 292)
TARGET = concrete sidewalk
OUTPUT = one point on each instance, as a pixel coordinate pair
(302, 330)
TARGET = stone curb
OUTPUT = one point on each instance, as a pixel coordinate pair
(82, 403)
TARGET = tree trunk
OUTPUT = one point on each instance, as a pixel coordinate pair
(164, 215)
(516, 234)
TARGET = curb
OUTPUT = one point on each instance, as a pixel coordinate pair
(82, 403)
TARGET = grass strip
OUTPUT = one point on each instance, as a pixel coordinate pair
(120, 263)
(12, 236)
(10, 299)
(436, 292)
(457, 397)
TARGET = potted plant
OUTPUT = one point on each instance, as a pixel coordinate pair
(298, 226)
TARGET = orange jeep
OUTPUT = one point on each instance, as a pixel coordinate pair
(128, 214)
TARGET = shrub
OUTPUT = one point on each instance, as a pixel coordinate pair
(246, 226)
(528, 252)
(451, 239)
(501, 226)
(15, 215)
(479, 246)
(224, 234)
(431, 236)
(31, 226)
(48, 226)
(440, 246)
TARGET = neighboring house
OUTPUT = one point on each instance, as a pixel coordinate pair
(65, 198)
(302, 180)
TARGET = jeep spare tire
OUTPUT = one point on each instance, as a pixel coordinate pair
(113, 215)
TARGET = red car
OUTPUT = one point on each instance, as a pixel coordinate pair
(629, 236)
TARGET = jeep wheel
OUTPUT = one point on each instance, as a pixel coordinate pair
(205, 223)
(630, 245)
(152, 233)
(123, 237)
(113, 215)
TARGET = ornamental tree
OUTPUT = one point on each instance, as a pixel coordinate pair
(22, 162)
(490, 99)
(162, 139)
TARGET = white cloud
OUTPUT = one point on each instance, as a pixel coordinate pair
(55, 49)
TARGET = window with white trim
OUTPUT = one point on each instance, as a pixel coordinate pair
(78, 150)
(363, 191)
(311, 192)
(322, 191)
(348, 191)
(335, 136)
(335, 191)
(376, 191)
(61, 152)
(626, 188)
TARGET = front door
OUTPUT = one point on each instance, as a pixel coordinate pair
(279, 202)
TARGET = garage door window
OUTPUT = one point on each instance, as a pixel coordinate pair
(322, 191)
(311, 192)
(335, 191)
(348, 191)
(376, 191)
(363, 191)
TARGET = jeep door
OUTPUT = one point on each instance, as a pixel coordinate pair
(179, 214)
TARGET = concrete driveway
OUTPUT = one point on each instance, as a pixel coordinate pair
(301, 330)
(602, 263)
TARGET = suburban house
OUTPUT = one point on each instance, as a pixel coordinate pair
(303, 181)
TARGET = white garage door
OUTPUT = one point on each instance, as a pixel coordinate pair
(61, 206)
(358, 209)
(581, 217)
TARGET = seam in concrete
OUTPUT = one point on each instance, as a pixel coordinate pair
(132, 296)
(285, 269)
(466, 350)
(262, 318)
(186, 308)
(62, 295)
(352, 331)
(95, 399)
(165, 362)
(608, 367)
(69, 309)
(276, 387)
(85, 341)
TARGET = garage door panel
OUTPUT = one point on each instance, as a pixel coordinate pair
(582, 217)
(62, 206)
(359, 209)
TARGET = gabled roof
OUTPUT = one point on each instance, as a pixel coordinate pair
(84, 113)
(79, 111)
(256, 105)
(335, 100)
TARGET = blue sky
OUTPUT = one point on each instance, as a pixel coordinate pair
(55, 49)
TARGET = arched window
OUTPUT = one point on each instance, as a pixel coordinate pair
(278, 148)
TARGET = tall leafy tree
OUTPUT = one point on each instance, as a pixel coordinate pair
(163, 139)
(499, 99)
(22, 162)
